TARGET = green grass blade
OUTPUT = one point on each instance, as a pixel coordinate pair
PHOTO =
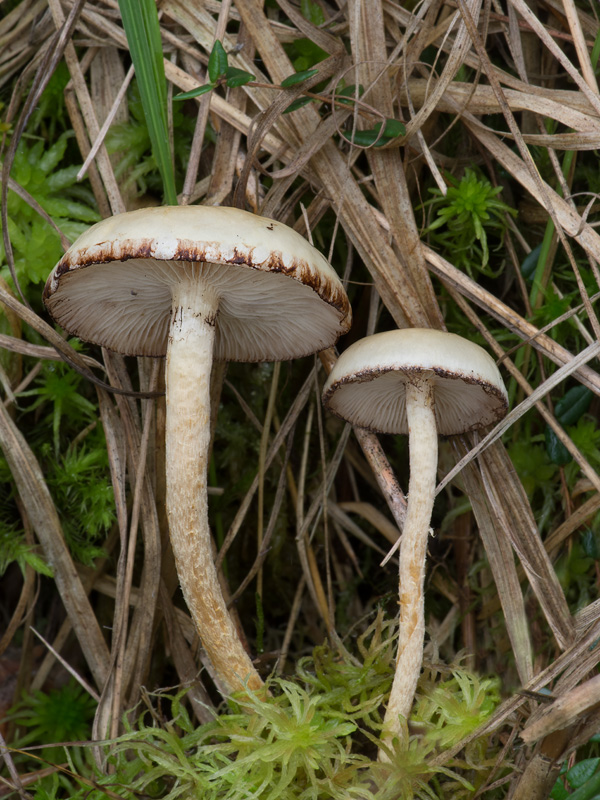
(140, 21)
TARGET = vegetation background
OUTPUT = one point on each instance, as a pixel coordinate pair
(443, 155)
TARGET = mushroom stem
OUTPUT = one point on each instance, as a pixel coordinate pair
(423, 444)
(188, 369)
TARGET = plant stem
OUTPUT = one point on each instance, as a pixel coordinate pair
(423, 443)
(188, 369)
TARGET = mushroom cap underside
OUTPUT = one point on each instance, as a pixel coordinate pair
(367, 385)
(278, 297)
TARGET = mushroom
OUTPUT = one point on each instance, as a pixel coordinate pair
(422, 382)
(196, 283)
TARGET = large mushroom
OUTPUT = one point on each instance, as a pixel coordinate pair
(422, 382)
(196, 283)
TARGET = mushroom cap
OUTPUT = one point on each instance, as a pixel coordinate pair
(367, 385)
(278, 296)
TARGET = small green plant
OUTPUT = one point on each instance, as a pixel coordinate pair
(283, 747)
(577, 566)
(303, 52)
(74, 460)
(452, 709)
(586, 437)
(13, 547)
(58, 715)
(80, 484)
(581, 781)
(467, 214)
(315, 738)
(59, 387)
(36, 244)
(568, 411)
(355, 687)
(538, 476)
(221, 74)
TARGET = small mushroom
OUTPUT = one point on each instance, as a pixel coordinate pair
(196, 283)
(422, 382)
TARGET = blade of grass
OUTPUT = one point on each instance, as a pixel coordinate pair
(543, 269)
(488, 510)
(140, 21)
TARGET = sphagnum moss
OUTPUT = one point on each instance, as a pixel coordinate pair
(315, 738)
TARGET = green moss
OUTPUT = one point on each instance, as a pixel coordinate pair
(315, 738)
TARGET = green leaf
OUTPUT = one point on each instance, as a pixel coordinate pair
(309, 54)
(362, 138)
(556, 450)
(312, 12)
(217, 62)
(298, 103)
(13, 547)
(558, 791)
(62, 178)
(529, 264)
(38, 564)
(342, 728)
(573, 405)
(53, 155)
(393, 128)
(301, 64)
(237, 77)
(589, 791)
(204, 89)
(140, 21)
(589, 544)
(63, 207)
(298, 77)
(585, 435)
(585, 778)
